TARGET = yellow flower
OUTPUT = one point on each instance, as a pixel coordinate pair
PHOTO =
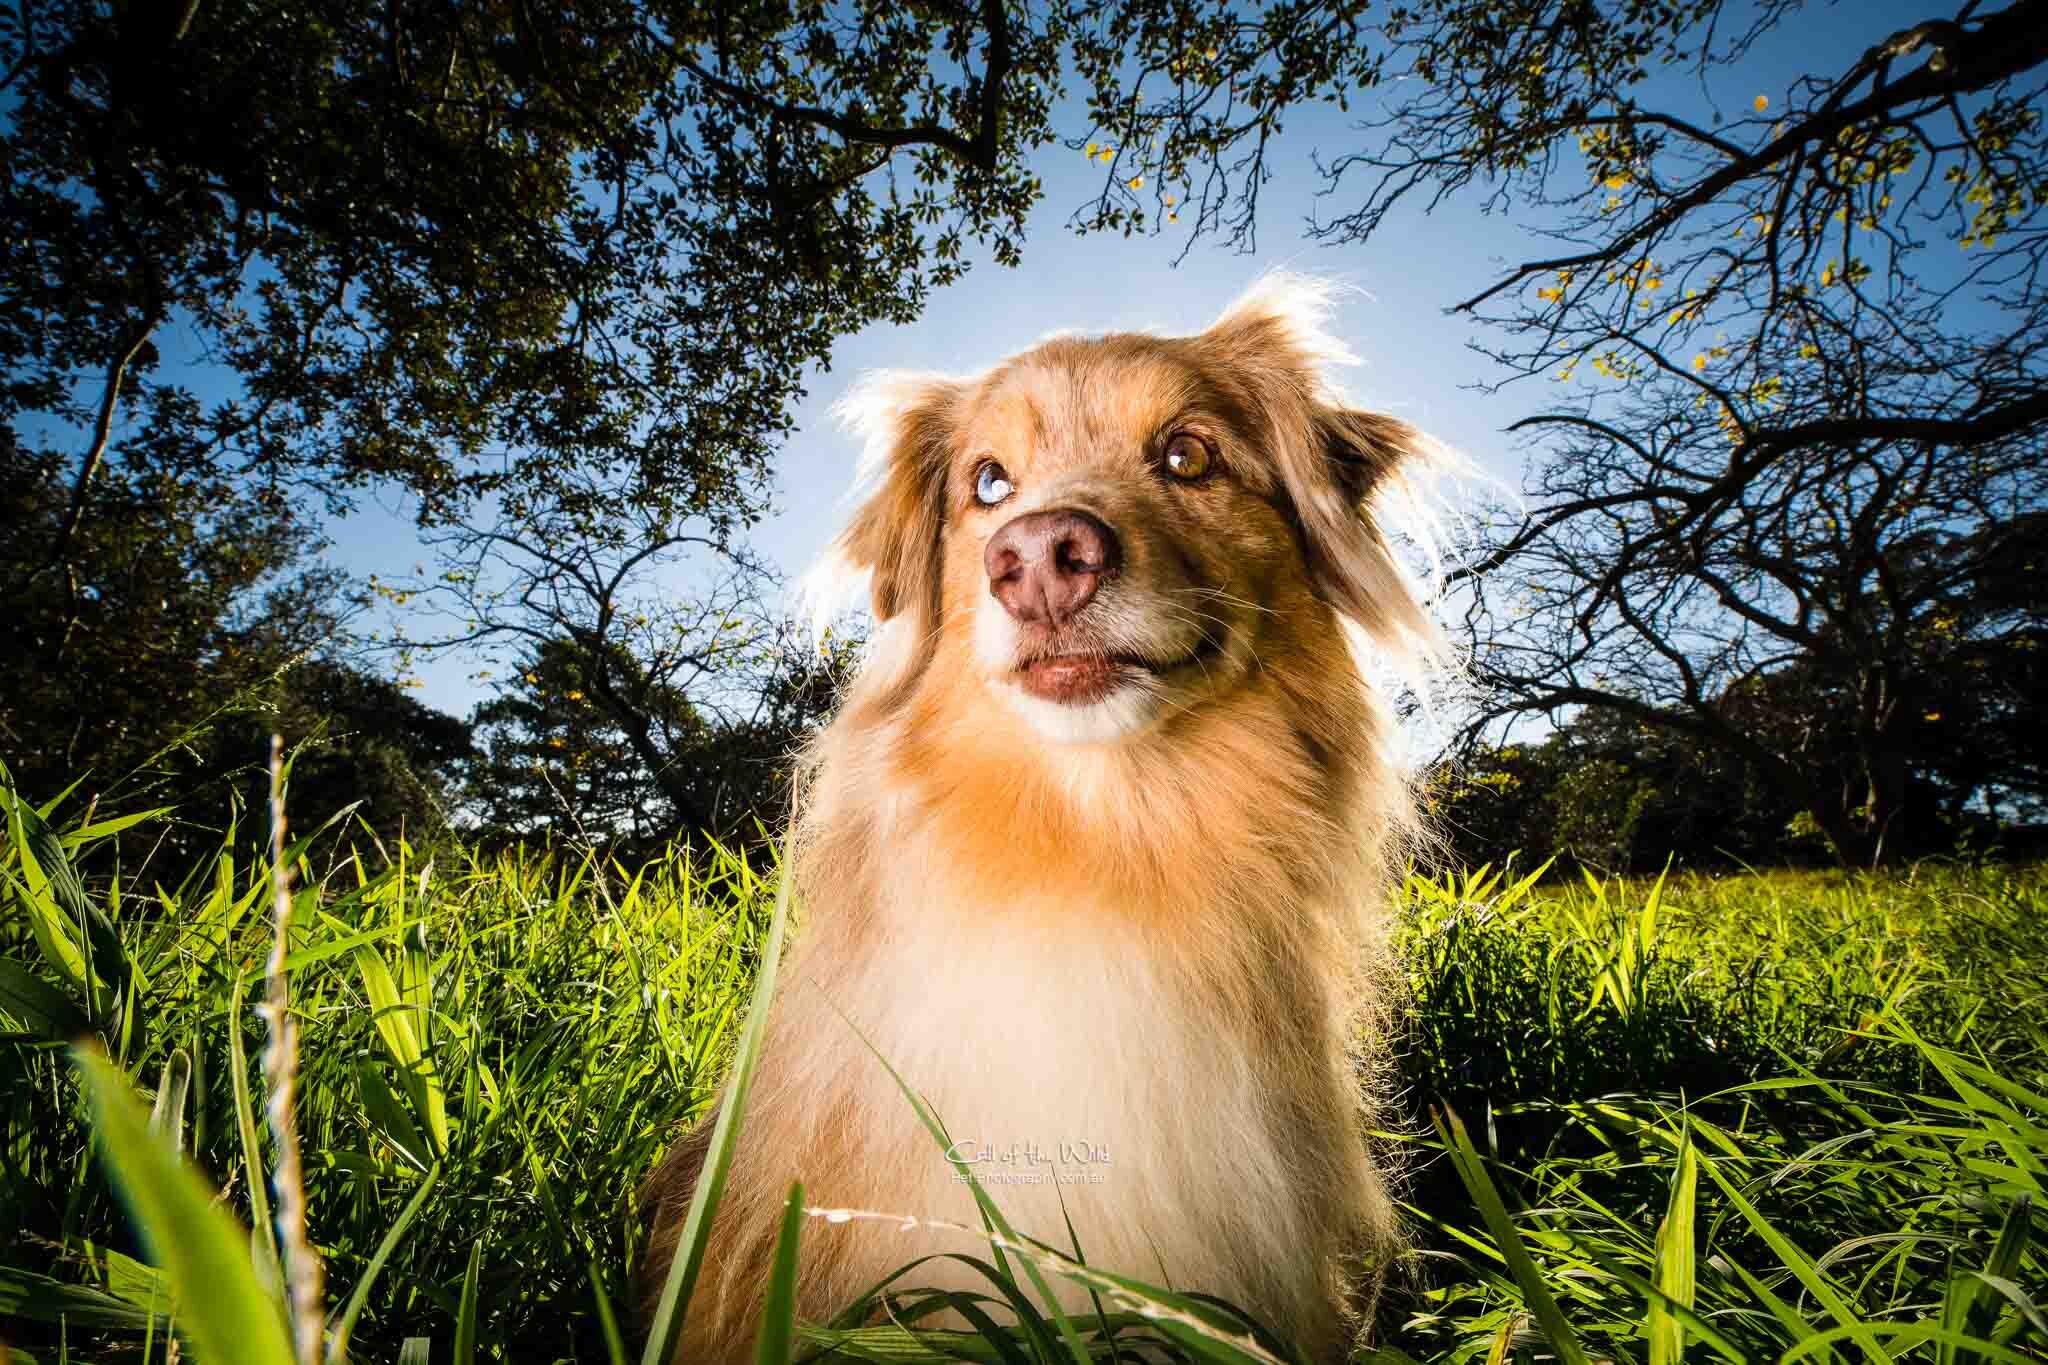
(1761, 103)
(1551, 295)
(1136, 182)
(573, 696)
(1616, 182)
(1699, 362)
(1932, 715)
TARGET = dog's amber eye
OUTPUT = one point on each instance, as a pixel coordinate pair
(992, 484)
(1187, 457)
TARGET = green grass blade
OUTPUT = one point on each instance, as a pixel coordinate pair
(608, 1321)
(1802, 1267)
(41, 1007)
(38, 1298)
(778, 1312)
(992, 1217)
(255, 1170)
(1971, 1303)
(360, 1295)
(226, 1314)
(1465, 1157)
(387, 1117)
(402, 1027)
(667, 1323)
(334, 947)
(1676, 1254)
(466, 1311)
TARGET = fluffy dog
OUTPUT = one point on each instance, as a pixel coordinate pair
(1095, 853)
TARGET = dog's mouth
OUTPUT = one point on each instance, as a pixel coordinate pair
(1082, 677)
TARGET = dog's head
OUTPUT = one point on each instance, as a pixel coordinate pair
(1106, 532)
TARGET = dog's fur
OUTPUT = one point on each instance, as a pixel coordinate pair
(1152, 924)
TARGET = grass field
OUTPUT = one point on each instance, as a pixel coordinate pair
(1767, 1117)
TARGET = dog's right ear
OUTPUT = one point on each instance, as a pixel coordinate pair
(910, 423)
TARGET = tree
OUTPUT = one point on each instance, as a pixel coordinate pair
(1613, 792)
(194, 621)
(1800, 346)
(628, 708)
(182, 602)
(358, 742)
(460, 247)
(554, 758)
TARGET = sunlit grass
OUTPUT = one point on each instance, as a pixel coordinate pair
(1762, 1117)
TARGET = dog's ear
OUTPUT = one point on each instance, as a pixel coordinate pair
(1331, 459)
(1345, 457)
(909, 423)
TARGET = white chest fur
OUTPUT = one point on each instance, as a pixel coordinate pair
(1082, 1079)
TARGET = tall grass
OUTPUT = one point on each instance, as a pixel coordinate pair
(1754, 1118)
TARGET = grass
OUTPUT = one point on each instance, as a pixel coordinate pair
(1770, 1117)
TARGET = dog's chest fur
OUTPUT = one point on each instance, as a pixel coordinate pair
(1079, 1079)
(1163, 1086)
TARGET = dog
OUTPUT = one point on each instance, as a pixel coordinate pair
(1096, 851)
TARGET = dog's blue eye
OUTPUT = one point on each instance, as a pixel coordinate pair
(991, 484)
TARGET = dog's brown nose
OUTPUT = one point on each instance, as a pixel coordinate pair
(1045, 566)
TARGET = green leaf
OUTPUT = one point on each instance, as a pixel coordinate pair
(465, 1314)
(388, 1117)
(254, 1169)
(360, 1295)
(778, 1311)
(320, 952)
(226, 1315)
(1971, 1305)
(1535, 1292)
(402, 1027)
(101, 829)
(1676, 1255)
(688, 1259)
(167, 1116)
(25, 1294)
(608, 1320)
(1802, 1268)
(40, 1006)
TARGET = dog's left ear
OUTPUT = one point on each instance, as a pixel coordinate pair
(1331, 458)
(907, 423)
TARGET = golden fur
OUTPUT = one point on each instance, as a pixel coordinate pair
(1151, 927)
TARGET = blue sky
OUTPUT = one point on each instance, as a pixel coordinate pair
(1416, 359)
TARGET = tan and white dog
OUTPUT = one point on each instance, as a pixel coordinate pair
(1096, 853)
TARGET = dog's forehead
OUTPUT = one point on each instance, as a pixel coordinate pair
(1085, 389)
